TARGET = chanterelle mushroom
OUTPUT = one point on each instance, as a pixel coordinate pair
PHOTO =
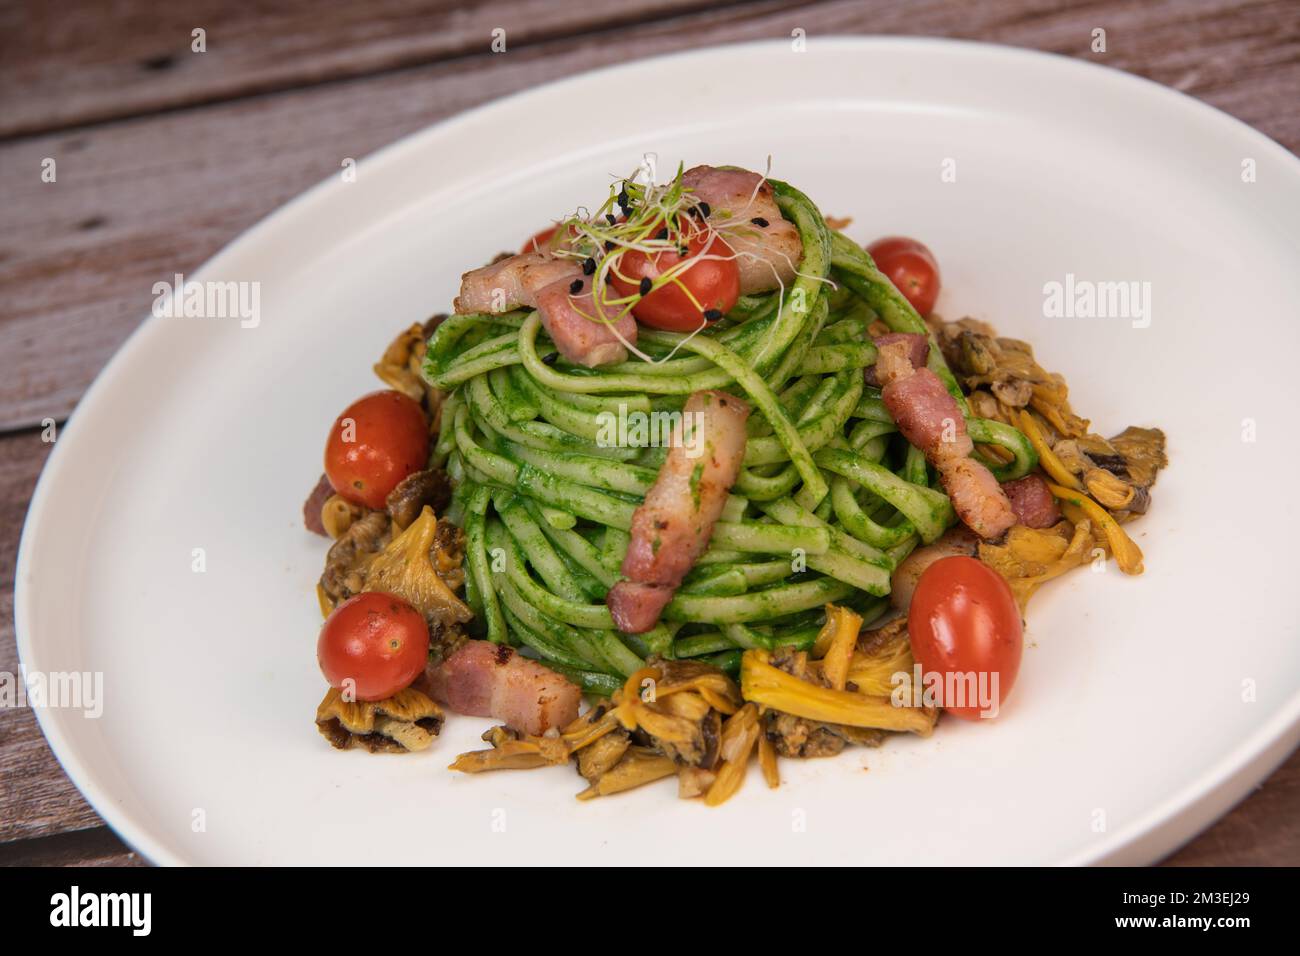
(407, 721)
(423, 565)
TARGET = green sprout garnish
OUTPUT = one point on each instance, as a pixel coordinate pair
(651, 219)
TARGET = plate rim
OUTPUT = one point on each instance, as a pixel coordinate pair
(1183, 813)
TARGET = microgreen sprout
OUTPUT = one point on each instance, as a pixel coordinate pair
(653, 219)
(641, 217)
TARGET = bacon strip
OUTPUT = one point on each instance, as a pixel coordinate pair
(636, 607)
(561, 295)
(926, 414)
(482, 679)
(930, 419)
(512, 282)
(311, 508)
(672, 527)
(918, 347)
(977, 497)
(743, 208)
(567, 316)
(1032, 502)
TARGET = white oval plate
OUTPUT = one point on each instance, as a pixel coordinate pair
(1145, 707)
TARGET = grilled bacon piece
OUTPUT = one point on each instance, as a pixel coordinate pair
(311, 508)
(1032, 502)
(671, 528)
(930, 419)
(636, 607)
(562, 296)
(743, 208)
(918, 349)
(573, 321)
(512, 282)
(482, 679)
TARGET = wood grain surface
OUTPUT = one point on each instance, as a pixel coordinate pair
(164, 155)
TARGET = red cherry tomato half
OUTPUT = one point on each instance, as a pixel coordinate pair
(911, 266)
(377, 441)
(375, 640)
(714, 284)
(965, 628)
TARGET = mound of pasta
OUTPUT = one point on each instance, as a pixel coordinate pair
(697, 457)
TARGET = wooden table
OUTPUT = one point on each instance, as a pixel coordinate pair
(163, 155)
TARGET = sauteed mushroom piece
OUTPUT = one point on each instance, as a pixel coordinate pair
(405, 722)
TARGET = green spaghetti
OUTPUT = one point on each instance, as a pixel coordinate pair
(829, 500)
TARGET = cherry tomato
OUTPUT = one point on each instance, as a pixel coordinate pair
(377, 641)
(911, 267)
(715, 284)
(963, 620)
(377, 441)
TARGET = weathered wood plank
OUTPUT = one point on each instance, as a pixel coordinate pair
(1263, 830)
(97, 847)
(139, 200)
(36, 796)
(83, 61)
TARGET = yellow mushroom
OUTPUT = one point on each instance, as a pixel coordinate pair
(1046, 457)
(1127, 554)
(406, 721)
(835, 643)
(405, 568)
(764, 684)
(739, 735)
(639, 766)
(1109, 490)
(767, 762)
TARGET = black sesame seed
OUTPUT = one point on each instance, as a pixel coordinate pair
(609, 246)
(588, 266)
(622, 199)
(662, 233)
(575, 287)
(711, 315)
(645, 285)
(759, 221)
(551, 359)
(611, 218)
(704, 210)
